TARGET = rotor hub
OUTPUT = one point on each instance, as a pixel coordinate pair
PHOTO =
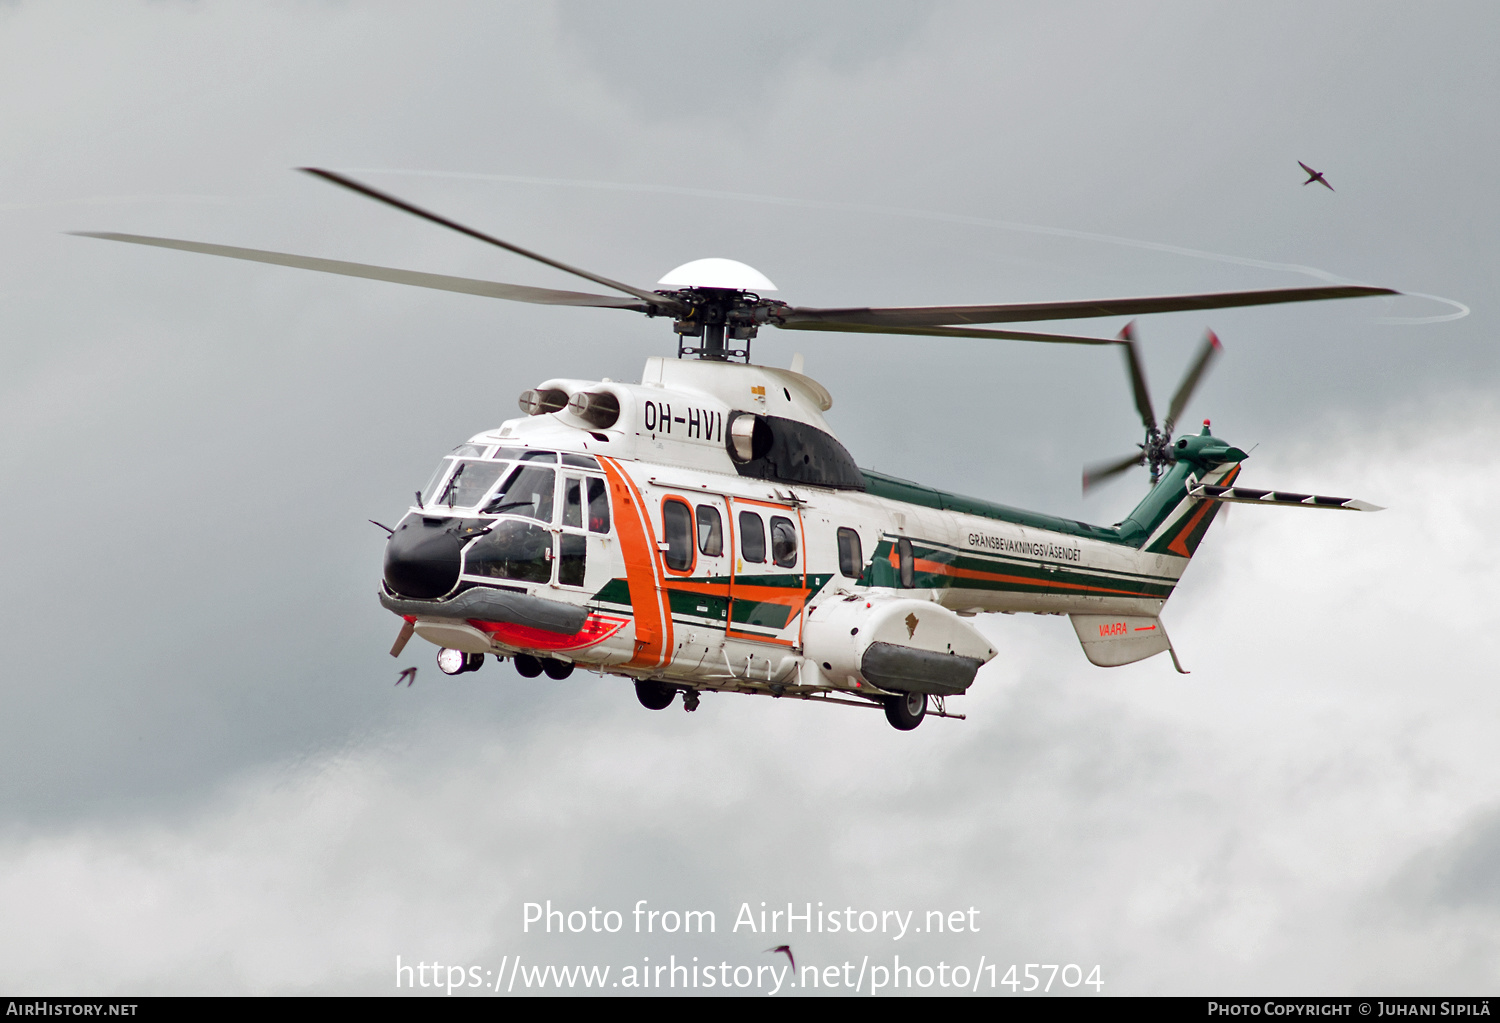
(720, 316)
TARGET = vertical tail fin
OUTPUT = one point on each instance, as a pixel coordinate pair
(1168, 520)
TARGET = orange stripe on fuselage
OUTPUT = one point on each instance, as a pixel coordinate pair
(939, 568)
(643, 573)
(1179, 542)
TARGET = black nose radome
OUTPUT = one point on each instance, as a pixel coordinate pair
(422, 558)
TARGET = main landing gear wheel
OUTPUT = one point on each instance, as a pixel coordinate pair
(557, 669)
(654, 695)
(905, 711)
(528, 666)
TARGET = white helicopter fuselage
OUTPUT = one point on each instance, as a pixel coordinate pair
(637, 510)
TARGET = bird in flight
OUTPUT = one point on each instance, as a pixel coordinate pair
(408, 676)
(1313, 175)
(788, 950)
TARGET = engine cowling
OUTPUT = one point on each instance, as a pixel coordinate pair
(895, 644)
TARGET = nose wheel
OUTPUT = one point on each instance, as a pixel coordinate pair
(905, 711)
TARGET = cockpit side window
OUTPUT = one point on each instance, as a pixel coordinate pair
(598, 506)
(572, 502)
(527, 492)
(438, 476)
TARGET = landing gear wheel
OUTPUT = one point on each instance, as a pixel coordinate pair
(690, 700)
(905, 711)
(654, 695)
(473, 662)
(528, 666)
(557, 669)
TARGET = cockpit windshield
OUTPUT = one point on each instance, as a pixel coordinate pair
(527, 492)
(470, 481)
(466, 476)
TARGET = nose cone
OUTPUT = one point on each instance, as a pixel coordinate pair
(423, 558)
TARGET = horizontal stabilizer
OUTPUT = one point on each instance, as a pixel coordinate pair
(1245, 495)
(1112, 640)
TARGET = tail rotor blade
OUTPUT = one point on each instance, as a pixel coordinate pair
(1096, 474)
(1137, 377)
(1211, 348)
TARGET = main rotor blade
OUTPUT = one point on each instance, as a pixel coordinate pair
(1096, 474)
(939, 315)
(1138, 377)
(442, 282)
(651, 297)
(1211, 348)
(981, 332)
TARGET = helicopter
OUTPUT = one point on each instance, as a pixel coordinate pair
(704, 530)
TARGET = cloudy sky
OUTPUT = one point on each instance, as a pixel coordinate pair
(209, 782)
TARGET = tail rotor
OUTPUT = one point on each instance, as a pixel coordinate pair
(1156, 451)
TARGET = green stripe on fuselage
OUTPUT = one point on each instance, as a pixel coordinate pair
(616, 591)
(1021, 577)
(698, 605)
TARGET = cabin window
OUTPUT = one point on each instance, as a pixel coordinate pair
(851, 557)
(710, 531)
(677, 522)
(540, 456)
(783, 542)
(598, 506)
(527, 492)
(906, 562)
(752, 538)
(582, 461)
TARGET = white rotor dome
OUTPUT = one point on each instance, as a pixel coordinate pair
(717, 273)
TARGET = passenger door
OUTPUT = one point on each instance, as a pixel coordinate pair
(769, 583)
